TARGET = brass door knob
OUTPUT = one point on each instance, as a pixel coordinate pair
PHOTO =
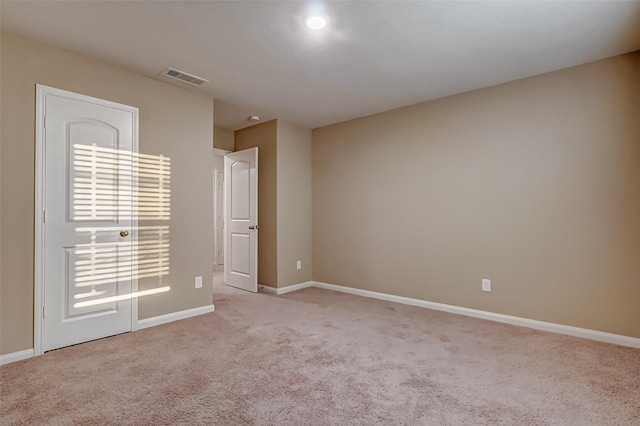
(124, 233)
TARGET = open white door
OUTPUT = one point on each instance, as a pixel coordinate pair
(241, 219)
(86, 232)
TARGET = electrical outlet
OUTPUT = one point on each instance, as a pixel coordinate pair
(198, 282)
(486, 284)
(299, 264)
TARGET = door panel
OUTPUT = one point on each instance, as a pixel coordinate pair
(82, 285)
(239, 191)
(88, 203)
(241, 219)
(240, 249)
(93, 176)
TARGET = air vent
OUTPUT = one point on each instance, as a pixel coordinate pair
(183, 76)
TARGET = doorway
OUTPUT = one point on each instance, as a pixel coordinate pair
(218, 205)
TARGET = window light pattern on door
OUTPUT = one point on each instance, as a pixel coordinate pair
(108, 183)
(111, 185)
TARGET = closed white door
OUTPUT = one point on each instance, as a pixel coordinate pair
(241, 219)
(88, 216)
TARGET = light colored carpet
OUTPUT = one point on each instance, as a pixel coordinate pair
(316, 357)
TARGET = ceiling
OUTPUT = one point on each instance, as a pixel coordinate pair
(261, 59)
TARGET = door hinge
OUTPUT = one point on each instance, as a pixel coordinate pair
(42, 311)
(44, 216)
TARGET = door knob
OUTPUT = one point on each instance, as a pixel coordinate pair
(124, 233)
(252, 227)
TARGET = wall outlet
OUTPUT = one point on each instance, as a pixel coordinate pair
(198, 282)
(486, 284)
(299, 264)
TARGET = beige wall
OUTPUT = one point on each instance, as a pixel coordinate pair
(264, 136)
(183, 132)
(284, 200)
(534, 184)
(294, 203)
(223, 139)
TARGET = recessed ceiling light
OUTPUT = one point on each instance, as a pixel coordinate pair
(316, 22)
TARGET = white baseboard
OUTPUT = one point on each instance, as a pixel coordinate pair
(287, 289)
(491, 316)
(267, 289)
(144, 323)
(174, 316)
(16, 356)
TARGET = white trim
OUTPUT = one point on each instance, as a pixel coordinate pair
(134, 220)
(222, 152)
(218, 210)
(174, 316)
(38, 273)
(287, 289)
(491, 316)
(294, 287)
(267, 289)
(16, 356)
(38, 284)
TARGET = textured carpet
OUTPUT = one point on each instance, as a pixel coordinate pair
(316, 357)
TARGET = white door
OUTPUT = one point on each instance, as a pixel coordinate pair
(241, 219)
(88, 217)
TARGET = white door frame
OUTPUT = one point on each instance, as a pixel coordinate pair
(216, 208)
(38, 285)
(218, 212)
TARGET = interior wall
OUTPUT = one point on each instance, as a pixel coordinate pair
(534, 184)
(223, 138)
(294, 203)
(264, 137)
(183, 133)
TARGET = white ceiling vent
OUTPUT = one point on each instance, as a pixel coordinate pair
(184, 76)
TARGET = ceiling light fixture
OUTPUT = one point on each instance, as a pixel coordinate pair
(316, 22)
(254, 118)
